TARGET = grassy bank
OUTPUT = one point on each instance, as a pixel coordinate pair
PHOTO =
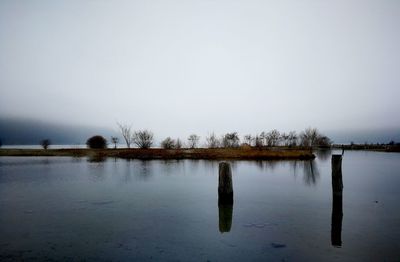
(156, 153)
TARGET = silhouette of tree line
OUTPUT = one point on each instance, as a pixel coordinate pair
(310, 137)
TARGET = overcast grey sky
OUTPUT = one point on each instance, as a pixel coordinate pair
(178, 67)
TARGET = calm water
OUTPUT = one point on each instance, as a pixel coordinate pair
(73, 209)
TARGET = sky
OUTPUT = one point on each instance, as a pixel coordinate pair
(182, 67)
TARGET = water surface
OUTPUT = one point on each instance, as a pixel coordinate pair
(67, 208)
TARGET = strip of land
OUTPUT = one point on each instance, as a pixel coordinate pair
(370, 147)
(156, 153)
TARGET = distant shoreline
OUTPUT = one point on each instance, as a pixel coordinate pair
(157, 153)
(369, 147)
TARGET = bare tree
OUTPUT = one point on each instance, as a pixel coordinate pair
(323, 141)
(178, 144)
(231, 140)
(272, 138)
(212, 141)
(126, 134)
(168, 143)
(258, 141)
(115, 141)
(292, 138)
(45, 143)
(308, 137)
(193, 140)
(263, 138)
(284, 139)
(248, 139)
(143, 139)
(311, 137)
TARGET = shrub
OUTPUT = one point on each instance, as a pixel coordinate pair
(230, 140)
(96, 142)
(193, 140)
(212, 141)
(168, 143)
(143, 139)
(178, 144)
(45, 143)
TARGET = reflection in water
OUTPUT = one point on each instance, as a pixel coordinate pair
(267, 164)
(310, 169)
(96, 158)
(145, 169)
(311, 172)
(170, 165)
(127, 173)
(323, 154)
(225, 212)
(337, 217)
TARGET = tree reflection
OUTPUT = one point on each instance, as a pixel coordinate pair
(145, 167)
(311, 172)
(171, 166)
(323, 154)
(97, 158)
(267, 164)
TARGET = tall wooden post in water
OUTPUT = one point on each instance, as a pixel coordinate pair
(225, 187)
(337, 201)
(225, 197)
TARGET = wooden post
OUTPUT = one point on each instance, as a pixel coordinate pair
(337, 183)
(337, 201)
(225, 197)
(225, 188)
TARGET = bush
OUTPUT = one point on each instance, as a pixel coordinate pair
(143, 139)
(96, 142)
(193, 140)
(230, 140)
(212, 141)
(45, 143)
(168, 143)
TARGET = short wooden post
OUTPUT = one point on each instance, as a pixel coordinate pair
(225, 197)
(337, 201)
(225, 188)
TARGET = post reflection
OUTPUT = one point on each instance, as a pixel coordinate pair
(225, 213)
(337, 217)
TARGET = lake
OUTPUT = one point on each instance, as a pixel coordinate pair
(72, 209)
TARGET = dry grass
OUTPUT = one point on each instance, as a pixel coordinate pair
(155, 153)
